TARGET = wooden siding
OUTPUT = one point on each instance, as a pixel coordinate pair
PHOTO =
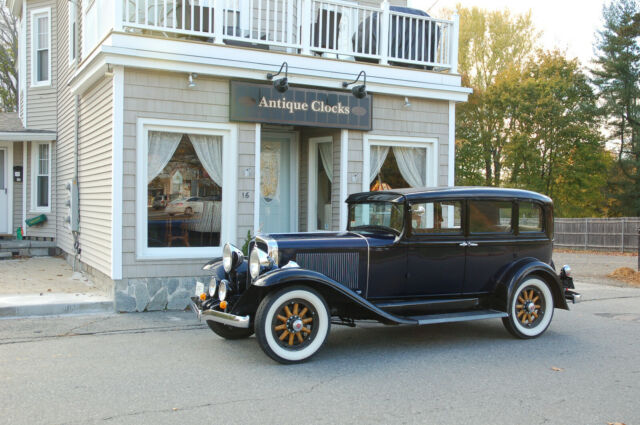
(95, 161)
(41, 102)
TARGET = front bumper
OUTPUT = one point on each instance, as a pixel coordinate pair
(570, 293)
(217, 316)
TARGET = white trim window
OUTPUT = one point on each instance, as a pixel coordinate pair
(73, 32)
(186, 188)
(416, 160)
(320, 178)
(41, 177)
(41, 47)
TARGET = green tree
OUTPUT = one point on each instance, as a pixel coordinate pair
(552, 132)
(8, 55)
(617, 77)
(490, 43)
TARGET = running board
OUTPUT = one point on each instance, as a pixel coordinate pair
(431, 319)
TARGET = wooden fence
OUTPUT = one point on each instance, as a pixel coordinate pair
(603, 234)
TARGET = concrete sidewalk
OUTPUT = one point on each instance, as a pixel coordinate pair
(44, 286)
(48, 304)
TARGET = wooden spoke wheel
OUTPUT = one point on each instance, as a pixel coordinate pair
(292, 324)
(530, 308)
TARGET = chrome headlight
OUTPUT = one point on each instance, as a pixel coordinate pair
(223, 290)
(258, 261)
(566, 270)
(213, 285)
(232, 257)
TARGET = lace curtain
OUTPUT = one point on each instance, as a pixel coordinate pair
(377, 156)
(326, 155)
(412, 166)
(162, 146)
(209, 151)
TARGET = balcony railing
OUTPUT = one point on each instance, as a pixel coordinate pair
(332, 28)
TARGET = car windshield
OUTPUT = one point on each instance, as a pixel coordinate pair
(376, 216)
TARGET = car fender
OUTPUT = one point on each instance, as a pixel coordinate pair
(297, 275)
(519, 270)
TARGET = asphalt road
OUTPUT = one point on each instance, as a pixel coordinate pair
(157, 368)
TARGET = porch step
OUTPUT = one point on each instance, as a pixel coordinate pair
(27, 248)
(431, 319)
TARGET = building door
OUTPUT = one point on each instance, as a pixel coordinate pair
(4, 191)
(278, 177)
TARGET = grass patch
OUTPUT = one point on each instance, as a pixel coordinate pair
(626, 274)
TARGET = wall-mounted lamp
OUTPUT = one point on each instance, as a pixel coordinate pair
(407, 104)
(192, 83)
(281, 84)
(360, 92)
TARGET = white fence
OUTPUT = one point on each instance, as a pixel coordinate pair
(330, 27)
(605, 234)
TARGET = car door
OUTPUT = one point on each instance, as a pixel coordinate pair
(436, 248)
(491, 243)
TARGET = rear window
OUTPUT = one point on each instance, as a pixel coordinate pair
(530, 218)
(490, 216)
(436, 217)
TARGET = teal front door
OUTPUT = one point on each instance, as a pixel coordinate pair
(276, 184)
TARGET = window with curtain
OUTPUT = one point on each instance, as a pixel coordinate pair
(40, 47)
(41, 176)
(324, 180)
(396, 166)
(184, 189)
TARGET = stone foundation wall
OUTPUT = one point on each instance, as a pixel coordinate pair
(154, 293)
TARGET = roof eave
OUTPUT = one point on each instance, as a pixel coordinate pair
(27, 136)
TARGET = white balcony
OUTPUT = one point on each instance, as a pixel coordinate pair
(328, 28)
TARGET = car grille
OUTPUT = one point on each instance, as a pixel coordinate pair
(341, 267)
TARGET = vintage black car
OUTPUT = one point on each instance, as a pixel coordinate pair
(408, 257)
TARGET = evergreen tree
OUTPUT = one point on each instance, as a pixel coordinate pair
(617, 78)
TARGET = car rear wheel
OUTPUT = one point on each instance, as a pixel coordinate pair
(230, 332)
(292, 324)
(530, 309)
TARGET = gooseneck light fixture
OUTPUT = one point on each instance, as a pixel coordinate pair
(360, 92)
(281, 84)
(192, 83)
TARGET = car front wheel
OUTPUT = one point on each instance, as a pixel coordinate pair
(292, 324)
(530, 309)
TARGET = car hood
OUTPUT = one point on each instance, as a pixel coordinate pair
(290, 244)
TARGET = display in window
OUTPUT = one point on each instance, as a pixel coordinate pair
(184, 190)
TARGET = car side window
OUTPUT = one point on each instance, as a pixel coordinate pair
(440, 217)
(490, 216)
(530, 217)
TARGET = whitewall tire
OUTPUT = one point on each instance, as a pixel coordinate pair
(292, 324)
(530, 308)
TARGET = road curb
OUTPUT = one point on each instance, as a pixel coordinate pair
(15, 306)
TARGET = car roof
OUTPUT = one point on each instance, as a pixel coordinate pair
(410, 194)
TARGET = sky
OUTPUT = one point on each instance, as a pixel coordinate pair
(567, 24)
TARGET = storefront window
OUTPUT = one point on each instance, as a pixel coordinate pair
(393, 167)
(325, 177)
(184, 189)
